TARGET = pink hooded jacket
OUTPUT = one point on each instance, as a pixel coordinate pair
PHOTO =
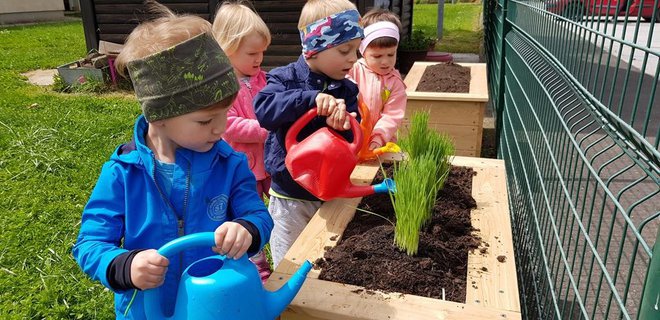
(385, 95)
(243, 132)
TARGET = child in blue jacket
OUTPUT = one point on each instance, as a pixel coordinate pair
(177, 176)
(330, 33)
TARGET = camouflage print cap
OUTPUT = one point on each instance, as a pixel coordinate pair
(187, 77)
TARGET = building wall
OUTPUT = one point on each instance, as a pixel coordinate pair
(22, 11)
(113, 20)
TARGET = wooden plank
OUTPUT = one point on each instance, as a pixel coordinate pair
(283, 16)
(496, 285)
(466, 153)
(277, 61)
(109, 28)
(113, 37)
(117, 8)
(134, 18)
(326, 226)
(142, 1)
(479, 73)
(285, 38)
(448, 112)
(331, 300)
(214, 5)
(89, 25)
(284, 50)
(464, 137)
(294, 6)
(448, 96)
(284, 27)
(413, 77)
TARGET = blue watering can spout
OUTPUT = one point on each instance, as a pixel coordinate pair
(280, 299)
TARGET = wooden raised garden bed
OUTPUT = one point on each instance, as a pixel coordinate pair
(493, 295)
(460, 115)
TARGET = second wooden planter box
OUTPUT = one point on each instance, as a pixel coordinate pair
(493, 295)
(460, 115)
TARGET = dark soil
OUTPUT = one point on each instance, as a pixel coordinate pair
(445, 77)
(366, 256)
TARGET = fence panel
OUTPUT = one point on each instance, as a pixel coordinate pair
(575, 92)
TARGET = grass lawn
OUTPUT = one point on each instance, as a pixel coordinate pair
(52, 147)
(462, 33)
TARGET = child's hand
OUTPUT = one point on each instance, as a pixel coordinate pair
(340, 123)
(374, 145)
(326, 104)
(232, 240)
(148, 269)
(338, 116)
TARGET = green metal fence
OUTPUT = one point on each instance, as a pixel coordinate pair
(575, 93)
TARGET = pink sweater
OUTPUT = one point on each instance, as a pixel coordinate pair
(243, 132)
(385, 95)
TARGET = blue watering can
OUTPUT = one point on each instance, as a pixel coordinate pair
(218, 287)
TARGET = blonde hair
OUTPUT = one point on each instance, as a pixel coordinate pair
(159, 34)
(317, 9)
(235, 21)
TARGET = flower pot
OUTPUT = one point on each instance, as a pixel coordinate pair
(460, 115)
(493, 296)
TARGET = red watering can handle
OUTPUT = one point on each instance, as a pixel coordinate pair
(291, 135)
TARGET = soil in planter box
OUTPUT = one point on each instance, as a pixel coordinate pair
(445, 77)
(366, 256)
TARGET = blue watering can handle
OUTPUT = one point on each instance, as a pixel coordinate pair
(152, 303)
(202, 239)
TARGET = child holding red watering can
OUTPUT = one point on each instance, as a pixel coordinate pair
(244, 37)
(381, 87)
(330, 33)
(177, 176)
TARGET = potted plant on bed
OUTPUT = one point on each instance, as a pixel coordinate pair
(413, 48)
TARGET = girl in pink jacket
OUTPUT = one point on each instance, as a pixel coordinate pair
(245, 37)
(381, 86)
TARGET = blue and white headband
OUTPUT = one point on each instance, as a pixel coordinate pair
(330, 32)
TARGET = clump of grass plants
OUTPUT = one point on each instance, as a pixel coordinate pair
(419, 179)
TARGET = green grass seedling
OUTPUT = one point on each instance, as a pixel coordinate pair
(419, 179)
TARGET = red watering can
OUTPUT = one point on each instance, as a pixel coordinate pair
(322, 163)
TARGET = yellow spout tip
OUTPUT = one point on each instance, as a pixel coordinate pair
(389, 147)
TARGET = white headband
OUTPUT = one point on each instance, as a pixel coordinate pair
(378, 30)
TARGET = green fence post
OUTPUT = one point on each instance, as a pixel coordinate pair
(499, 107)
(650, 308)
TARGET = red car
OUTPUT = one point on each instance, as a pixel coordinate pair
(577, 9)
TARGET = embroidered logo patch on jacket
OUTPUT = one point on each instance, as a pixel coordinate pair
(217, 209)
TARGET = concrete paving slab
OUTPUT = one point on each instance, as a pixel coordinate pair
(41, 77)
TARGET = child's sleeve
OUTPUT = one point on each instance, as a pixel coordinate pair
(102, 226)
(276, 105)
(246, 203)
(391, 116)
(241, 129)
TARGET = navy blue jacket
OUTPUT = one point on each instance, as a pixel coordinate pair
(289, 93)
